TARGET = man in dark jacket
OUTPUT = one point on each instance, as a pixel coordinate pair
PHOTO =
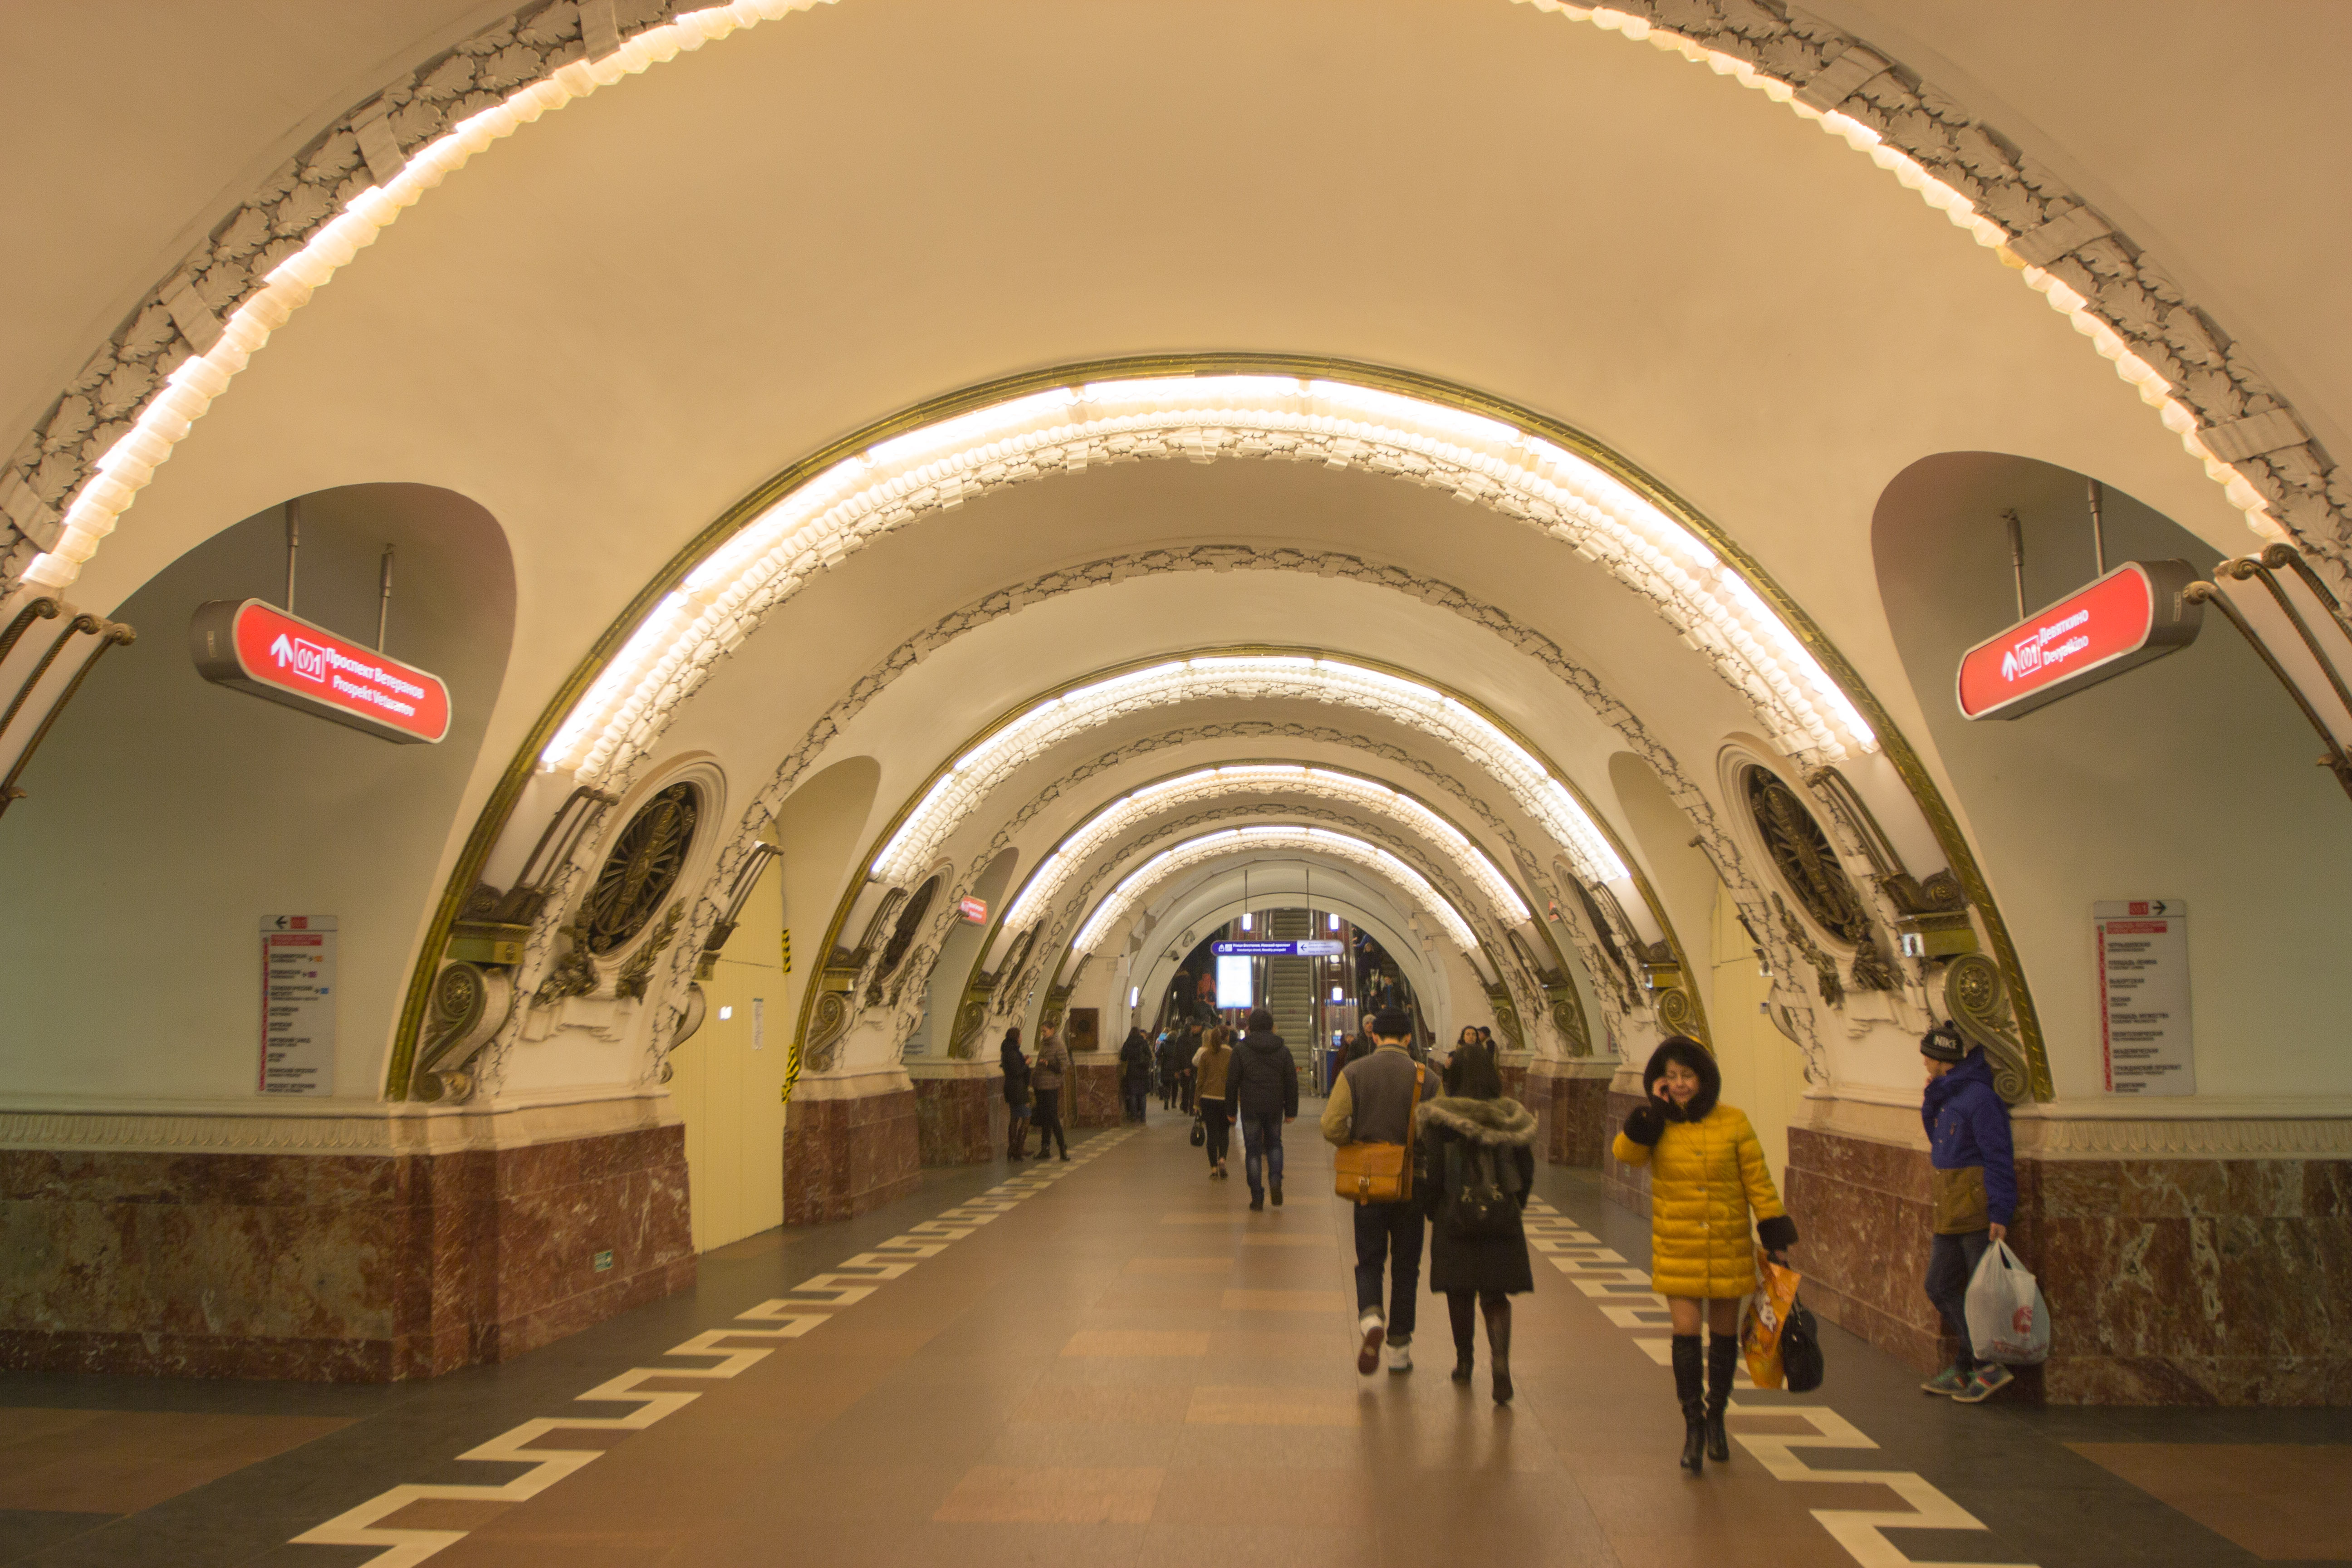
(1974, 1189)
(1374, 1101)
(1134, 1075)
(1262, 1093)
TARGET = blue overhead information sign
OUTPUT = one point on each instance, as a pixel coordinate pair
(1277, 949)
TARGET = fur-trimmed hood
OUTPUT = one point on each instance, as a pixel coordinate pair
(1502, 1123)
(1691, 1054)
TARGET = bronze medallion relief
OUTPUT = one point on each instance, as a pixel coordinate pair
(1808, 867)
(643, 866)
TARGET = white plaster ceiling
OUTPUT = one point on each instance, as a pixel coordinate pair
(635, 311)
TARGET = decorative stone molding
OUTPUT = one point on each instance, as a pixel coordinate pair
(2185, 1138)
(2216, 1130)
(236, 1128)
(118, 416)
(805, 757)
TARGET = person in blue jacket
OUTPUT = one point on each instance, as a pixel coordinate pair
(1974, 1190)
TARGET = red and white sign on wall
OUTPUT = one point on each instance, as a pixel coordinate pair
(2133, 614)
(259, 648)
(973, 909)
(2144, 1027)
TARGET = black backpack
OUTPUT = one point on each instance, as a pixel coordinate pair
(1479, 1184)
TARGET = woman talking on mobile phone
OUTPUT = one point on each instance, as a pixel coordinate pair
(1707, 1173)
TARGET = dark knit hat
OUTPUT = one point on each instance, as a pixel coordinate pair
(1943, 1044)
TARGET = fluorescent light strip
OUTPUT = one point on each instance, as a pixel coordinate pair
(127, 466)
(1246, 678)
(1066, 429)
(1238, 840)
(1078, 850)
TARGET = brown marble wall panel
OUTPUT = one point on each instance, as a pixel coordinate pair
(1094, 1094)
(331, 1268)
(1569, 1115)
(2168, 1281)
(960, 1121)
(1515, 1081)
(846, 1157)
(1626, 1186)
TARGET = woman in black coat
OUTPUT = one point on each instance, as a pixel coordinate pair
(1016, 1096)
(1477, 1143)
(1135, 1074)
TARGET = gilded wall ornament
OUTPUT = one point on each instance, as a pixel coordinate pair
(1825, 970)
(643, 866)
(1802, 853)
(639, 969)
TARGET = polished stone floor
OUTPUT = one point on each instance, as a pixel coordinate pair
(1112, 1362)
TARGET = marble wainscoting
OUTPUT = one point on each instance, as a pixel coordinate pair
(2187, 1272)
(367, 1248)
(1094, 1092)
(851, 1143)
(1569, 1100)
(1625, 1186)
(960, 1111)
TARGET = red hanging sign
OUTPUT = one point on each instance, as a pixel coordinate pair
(974, 911)
(257, 648)
(2133, 614)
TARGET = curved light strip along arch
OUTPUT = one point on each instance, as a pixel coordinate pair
(1248, 677)
(1105, 826)
(128, 463)
(1067, 429)
(1193, 852)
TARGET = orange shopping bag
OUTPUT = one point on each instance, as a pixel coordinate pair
(1766, 1314)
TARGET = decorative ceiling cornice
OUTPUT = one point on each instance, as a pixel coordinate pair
(65, 484)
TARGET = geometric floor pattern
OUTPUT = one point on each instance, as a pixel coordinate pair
(1112, 1362)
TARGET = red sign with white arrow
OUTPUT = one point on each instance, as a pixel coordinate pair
(257, 648)
(2133, 614)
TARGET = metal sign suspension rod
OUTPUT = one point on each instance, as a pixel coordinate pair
(293, 546)
(2098, 529)
(2017, 555)
(383, 608)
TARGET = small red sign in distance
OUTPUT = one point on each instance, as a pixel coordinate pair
(259, 648)
(2133, 614)
(972, 910)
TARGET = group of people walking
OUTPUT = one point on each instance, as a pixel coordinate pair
(1032, 1093)
(1464, 1151)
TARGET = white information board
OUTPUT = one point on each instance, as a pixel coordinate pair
(298, 1004)
(2143, 958)
(1234, 984)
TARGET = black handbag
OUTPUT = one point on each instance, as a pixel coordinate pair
(1200, 1130)
(1801, 1351)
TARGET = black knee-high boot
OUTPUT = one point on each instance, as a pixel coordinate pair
(1458, 1305)
(1498, 1344)
(1722, 1361)
(1690, 1388)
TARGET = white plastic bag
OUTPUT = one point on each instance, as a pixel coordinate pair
(2008, 1320)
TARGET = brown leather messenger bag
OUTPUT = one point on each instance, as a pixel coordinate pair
(1378, 1172)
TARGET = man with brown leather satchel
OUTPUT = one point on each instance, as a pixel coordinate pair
(1370, 1117)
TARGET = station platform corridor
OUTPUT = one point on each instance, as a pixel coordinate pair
(1112, 1362)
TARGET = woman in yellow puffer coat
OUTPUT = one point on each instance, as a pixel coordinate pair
(1707, 1173)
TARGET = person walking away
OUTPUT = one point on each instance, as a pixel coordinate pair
(1169, 1043)
(1016, 1096)
(1135, 1074)
(1045, 1091)
(1262, 1092)
(1478, 1167)
(1973, 1177)
(1210, 1064)
(1707, 1173)
(1374, 1101)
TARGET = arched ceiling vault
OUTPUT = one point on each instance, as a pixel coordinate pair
(1228, 677)
(100, 441)
(1070, 856)
(714, 593)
